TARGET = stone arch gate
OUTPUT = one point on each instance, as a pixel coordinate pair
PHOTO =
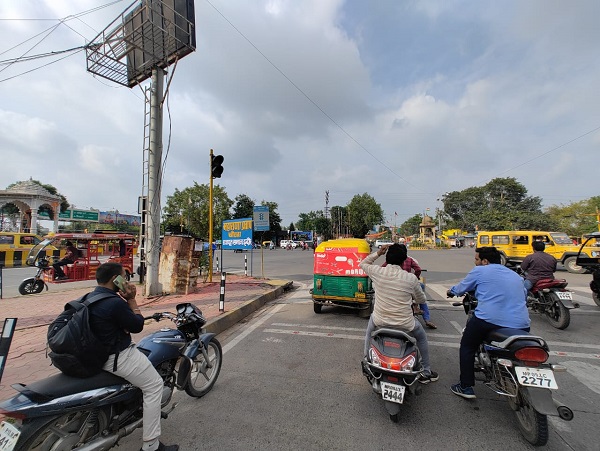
(28, 198)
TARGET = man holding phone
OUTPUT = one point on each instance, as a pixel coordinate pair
(113, 319)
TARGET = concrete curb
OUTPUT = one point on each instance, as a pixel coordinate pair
(228, 319)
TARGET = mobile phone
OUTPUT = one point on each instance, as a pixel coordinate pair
(120, 282)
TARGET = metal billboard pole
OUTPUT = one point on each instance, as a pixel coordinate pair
(141, 43)
(154, 182)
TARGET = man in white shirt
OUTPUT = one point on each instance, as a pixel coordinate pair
(395, 290)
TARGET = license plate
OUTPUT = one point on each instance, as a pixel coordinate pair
(392, 392)
(8, 436)
(566, 295)
(536, 377)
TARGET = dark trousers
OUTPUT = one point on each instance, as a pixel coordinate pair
(474, 334)
(58, 272)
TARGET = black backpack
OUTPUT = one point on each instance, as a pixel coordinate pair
(75, 349)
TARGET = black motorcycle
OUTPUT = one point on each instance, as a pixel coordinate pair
(61, 413)
(392, 367)
(513, 363)
(551, 298)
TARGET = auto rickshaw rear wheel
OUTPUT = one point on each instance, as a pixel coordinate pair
(317, 307)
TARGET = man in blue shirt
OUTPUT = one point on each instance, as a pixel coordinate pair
(501, 300)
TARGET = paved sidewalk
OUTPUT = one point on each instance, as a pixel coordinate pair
(27, 360)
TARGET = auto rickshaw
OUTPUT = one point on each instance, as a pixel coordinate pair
(338, 280)
(592, 262)
(93, 248)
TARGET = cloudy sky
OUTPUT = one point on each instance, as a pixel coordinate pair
(403, 100)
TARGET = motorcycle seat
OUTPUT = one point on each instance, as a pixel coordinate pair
(60, 385)
(505, 336)
(549, 283)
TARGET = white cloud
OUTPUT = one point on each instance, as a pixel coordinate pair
(303, 97)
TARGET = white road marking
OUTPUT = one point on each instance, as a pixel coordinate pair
(458, 327)
(445, 344)
(440, 290)
(250, 328)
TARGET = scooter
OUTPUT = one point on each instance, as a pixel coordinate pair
(514, 365)
(61, 413)
(392, 367)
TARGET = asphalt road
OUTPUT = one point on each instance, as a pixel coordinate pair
(291, 379)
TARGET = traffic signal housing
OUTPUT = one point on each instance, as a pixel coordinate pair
(216, 166)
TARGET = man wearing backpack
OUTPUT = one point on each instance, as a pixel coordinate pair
(113, 319)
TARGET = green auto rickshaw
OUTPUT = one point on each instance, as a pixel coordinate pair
(338, 280)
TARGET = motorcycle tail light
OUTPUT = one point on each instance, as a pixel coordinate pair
(405, 363)
(530, 354)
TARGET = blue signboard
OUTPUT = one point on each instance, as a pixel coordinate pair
(237, 234)
(261, 218)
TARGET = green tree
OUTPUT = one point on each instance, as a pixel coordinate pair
(411, 225)
(363, 213)
(243, 208)
(577, 218)
(501, 204)
(315, 221)
(339, 220)
(187, 211)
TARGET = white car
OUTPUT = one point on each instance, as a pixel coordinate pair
(379, 243)
(284, 244)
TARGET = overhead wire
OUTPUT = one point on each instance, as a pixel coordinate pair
(314, 103)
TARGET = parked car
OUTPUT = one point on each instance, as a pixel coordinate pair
(379, 243)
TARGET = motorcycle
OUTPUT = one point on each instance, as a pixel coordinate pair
(551, 298)
(36, 284)
(392, 367)
(62, 413)
(514, 365)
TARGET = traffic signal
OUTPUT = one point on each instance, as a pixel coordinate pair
(216, 166)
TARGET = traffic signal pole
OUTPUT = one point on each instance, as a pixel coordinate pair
(210, 221)
(216, 169)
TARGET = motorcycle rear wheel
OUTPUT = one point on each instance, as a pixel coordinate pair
(532, 424)
(557, 314)
(202, 377)
(31, 286)
(596, 298)
(62, 432)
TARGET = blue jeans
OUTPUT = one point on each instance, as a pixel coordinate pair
(528, 284)
(473, 335)
(425, 309)
(418, 332)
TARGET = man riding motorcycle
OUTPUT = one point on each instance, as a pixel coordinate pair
(501, 303)
(538, 265)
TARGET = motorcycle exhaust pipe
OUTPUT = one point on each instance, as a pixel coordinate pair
(105, 443)
(563, 411)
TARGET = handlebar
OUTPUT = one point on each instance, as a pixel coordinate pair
(160, 315)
